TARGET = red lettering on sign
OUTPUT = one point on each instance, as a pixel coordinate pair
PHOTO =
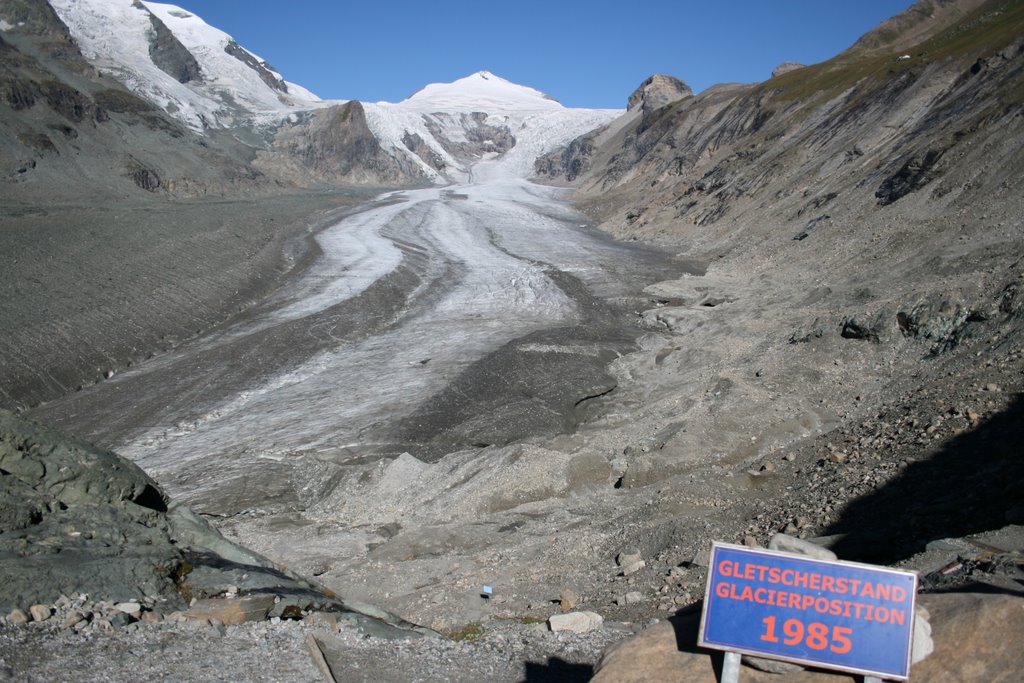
(815, 635)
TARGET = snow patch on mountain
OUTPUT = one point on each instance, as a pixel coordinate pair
(454, 120)
(482, 91)
(115, 35)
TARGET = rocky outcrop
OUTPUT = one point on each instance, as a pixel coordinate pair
(656, 92)
(170, 55)
(480, 137)
(914, 174)
(785, 68)
(570, 163)
(266, 72)
(961, 623)
(76, 519)
(418, 146)
(335, 145)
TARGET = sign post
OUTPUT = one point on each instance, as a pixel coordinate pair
(846, 616)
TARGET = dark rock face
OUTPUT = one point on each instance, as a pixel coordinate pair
(266, 72)
(481, 137)
(657, 91)
(420, 148)
(872, 328)
(944, 322)
(170, 55)
(912, 175)
(75, 517)
(336, 145)
(570, 162)
(145, 178)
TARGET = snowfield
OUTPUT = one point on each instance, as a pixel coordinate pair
(114, 35)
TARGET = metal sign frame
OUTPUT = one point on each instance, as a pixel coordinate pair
(775, 612)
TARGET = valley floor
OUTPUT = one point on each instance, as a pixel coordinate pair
(737, 409)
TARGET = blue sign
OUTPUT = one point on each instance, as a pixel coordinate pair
(838, 615)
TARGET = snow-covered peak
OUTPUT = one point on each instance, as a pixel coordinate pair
(225, 84)
(482, 91)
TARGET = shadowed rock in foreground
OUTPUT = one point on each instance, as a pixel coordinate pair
(78, 519)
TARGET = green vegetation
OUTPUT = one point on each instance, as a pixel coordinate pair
(469, 632)
(981, 34)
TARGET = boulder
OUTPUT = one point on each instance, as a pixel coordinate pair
(577, 622)
(797, 546)
(976, 639)
(233, 610)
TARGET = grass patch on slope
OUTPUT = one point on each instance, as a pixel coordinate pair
(982, 33)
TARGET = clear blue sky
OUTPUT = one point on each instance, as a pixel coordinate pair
(584, 54)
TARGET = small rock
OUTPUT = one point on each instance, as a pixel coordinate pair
(625, 559)
(633, 567)
(217, 628)
(232, 611)
(568, 599)
(923, 645)
(72, 619)
(992, 387)
(789, 544)
(132, 608)
(17, 616)
(634, 597)
(40, 612)
(771, 666)
(577, 622)
(323, 618)
(750, 542)
(789, 457)
(119, 619)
